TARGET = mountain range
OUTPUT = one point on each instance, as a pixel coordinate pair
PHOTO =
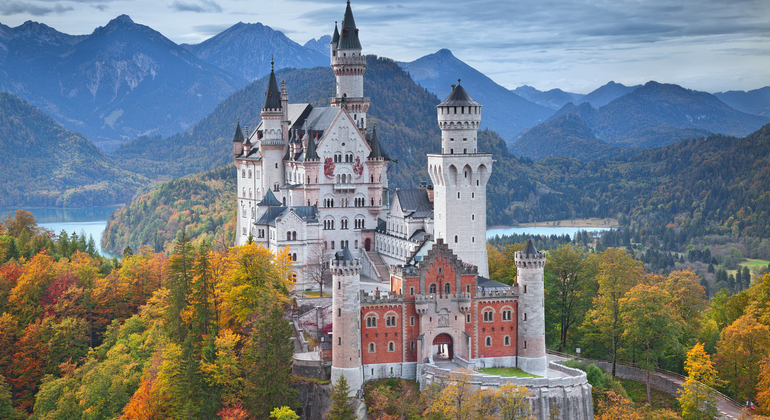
(755, 102)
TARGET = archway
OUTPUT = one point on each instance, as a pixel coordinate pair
(442, 347)
(367, 244)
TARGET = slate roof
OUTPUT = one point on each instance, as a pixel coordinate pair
(273, 95)
(419, 235)
(530, 250)
(238, 138)
(344, 255)
(420, 253)
(414, 202)
(304, 212)
(336, 36)
(488, 284)
(377, 151)
(269, 200)
(459, 97)
(349, 39)
(310, 150)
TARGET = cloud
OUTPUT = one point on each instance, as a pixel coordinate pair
(13, 7)
(202, 6)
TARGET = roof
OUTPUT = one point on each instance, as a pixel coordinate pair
(344, 255)
(491, 284)
(459, 97)
(419, 235)
(349, 39)
(377, 151)
(273, 95)
(238, 138)
(310, 150)
(530, 250)
(269, 200)
(336, 36)
(303, 212)
(414, 202)
(420, 253)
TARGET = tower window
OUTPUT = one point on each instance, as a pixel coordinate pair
(451, 151)
(447, 289)
(489, 341)
(458, 195)
(391, 346)
(371, 347)
(456, 239)
(507, 340)
(432, 289)
(473, 217)
(339, 312)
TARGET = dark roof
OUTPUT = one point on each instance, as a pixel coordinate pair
(238, 138)
(269, 200)
(382, 225)
(414, 202)
(459, 97)
(345, 254)
(530, 250)
(377, 151)
(491, 284)
(287, 156)
(310, 151)
(273, 95)
(419, 235)
(349, 39)
(336, 36)
(272, 213)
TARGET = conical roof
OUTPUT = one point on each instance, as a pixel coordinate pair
(269, 200)
(344, 255)
(273, 95)
(238, 138)
(310, 151)
(459, 97)
(530, 250)
(349, 39)
(377, 150)
(336, 36)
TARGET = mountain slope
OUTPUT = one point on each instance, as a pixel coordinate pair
(246, 49)
(606, 94)
(47, 165)
(554, 98)
(659, 114)
(503, 111)
(121, 81)
(321, 44)
(755, 102)
(566, 136)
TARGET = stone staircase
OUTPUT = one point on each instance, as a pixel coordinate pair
(382, 268)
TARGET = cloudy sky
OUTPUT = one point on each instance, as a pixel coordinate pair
(579, 45)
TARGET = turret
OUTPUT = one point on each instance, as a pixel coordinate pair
(238, 141)
(274, 130)
(529, 277)
(349, 66)
(346, 319)
(459, 117)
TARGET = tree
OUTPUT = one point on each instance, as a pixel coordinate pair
(763, 387)
(618, 273)
(341, 401)
(315, 267)
(397, 399)
(742, 346)
(696, 398)
(616, 407)
(651, 327)
(180, 276)
(456, 400)
(284, 413)
(7, 411)
(513, 404)
(19, 221)
(688, 298)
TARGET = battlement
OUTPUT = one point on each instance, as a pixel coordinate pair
(381, 298)
(512, 292)
(405, 270)
(527, 260)
(346, 267)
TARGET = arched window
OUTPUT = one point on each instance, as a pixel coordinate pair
(288, 236)
(507, 341)
(371, 347)
(488, 341)
(294, 256)
(447, 289)
(294, 236)
(432, 288)
(391, 346)
(456, 239)
(489, 316)
(243, 173)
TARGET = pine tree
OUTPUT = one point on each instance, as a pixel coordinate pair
(181, 271)
(342, 402)
(746, 277)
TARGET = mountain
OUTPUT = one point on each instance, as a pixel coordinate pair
(568, 136)
(658, 114)
(122, 81)
(503, 111)
(321, 45)
(606, 94)
(554, 98)
(755, 102)
(246, 49)
(46, 165)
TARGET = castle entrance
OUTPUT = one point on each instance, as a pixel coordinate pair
(367, 244)
(442, 347)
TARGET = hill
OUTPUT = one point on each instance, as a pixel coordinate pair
(119, 82)
(567, 136)
(246, 49)
(321, 44)
(503, 111)
(754, 102)
(606, 94)
(46, 165)
(554, 98)
(658, 114)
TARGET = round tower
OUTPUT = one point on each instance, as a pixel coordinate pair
(349, 66)
(346, 320)
(459, 118)
(271, 145)
(531, 322)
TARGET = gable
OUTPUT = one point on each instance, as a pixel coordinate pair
(343, 137)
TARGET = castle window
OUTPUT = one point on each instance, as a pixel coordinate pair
(525, 344)
(339, 341)
(411, 344)
(525, 316)
(458, 195)
(372, 179)
(525, 288)
(390, 321)
(468, 318)
(339, 312)
(243, 173)
(506, 315)
(465, 139)
(451, 139)
(489, 316)
(451, 151)
(456, 239)
(372, 201)
(391, 346)
(473, 195)
(507, 341)
(244, 231)
(447, 289)
(339, 285)
(465, 151)
(411, 320)
(477, 182)
(371, 347)
(432, 289)
(467, 288)
(356, 244)
(276, 165)
(473, 217)
(249, 173)
(371, 322)
(440, 270)
(466, 174)
(488, 341)
(294, 256)
(411, 292)
(332, 244)
(288, 236)
(473, 239)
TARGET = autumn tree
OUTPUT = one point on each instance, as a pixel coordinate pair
(763, 387)
(616, 407)
(618, 272)
(341, 402)
(696, 398)
(7, 411)
(456, 399)
(688, 298)
(743, 345)
(283, 413)
(180, 276)
(513, 404)
(650, 326)
(19, 221)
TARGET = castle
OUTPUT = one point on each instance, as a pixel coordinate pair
(409, 278)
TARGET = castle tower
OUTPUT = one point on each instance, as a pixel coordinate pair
(346, 319)
(349, 65)
(529, 277)
(274, 132)
(460, 174)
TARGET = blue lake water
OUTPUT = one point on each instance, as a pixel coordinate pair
(543, 230)
(88, 220)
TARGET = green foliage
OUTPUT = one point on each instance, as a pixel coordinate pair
(342, 403)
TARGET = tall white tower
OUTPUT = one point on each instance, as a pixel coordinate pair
(274, 132)
(346, 320)
(531, 311)
(349, 65)
(460, 174)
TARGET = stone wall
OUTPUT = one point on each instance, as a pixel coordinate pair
(667, 385)
(314, 399)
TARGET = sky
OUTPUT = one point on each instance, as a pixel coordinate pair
(577, 46)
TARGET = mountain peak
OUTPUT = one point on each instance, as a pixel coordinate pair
(444, 52)
(125, 19)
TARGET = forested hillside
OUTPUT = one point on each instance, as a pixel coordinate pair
(202, 206)
(44, 164)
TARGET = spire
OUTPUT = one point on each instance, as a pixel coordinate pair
(336, 36)
(238, 138)
(310, 151)
(530, 250)
(344, 255)
(377, 151)
(269, 200)
(349, 39)
(273, 95)
(459, 97)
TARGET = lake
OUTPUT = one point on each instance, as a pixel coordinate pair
(90, 220)
(543, 230)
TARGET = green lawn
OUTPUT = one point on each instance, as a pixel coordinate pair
(754, 264)
(316, 294)
(637, 391)
(508, 371)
